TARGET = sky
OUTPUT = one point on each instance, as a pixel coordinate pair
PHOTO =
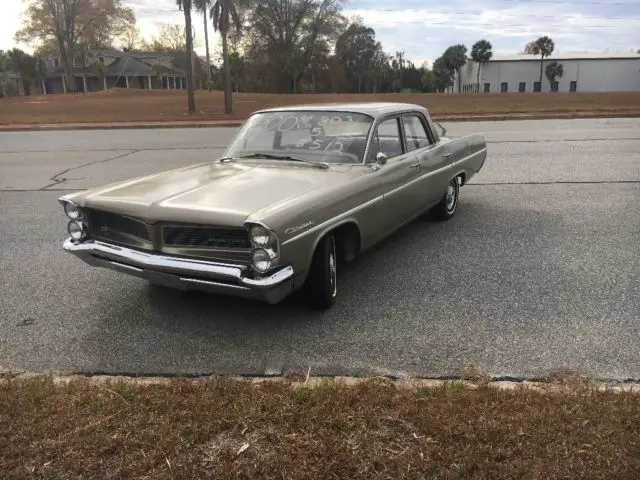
(423, 29)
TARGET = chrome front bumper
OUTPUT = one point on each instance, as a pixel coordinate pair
(185, 273)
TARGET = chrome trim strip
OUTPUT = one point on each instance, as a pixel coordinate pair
(208, 283)
(433, 172)
(334, 219)
(281, 275)
(125, 266)
(140, 261)
(377, 199)
(65, 199)
(152, 260)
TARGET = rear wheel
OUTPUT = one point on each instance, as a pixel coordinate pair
(446, 208)
(321, 288)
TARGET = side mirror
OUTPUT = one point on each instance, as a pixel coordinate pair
(381, 158)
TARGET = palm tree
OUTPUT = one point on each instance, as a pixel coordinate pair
(543, 46)
(481, 53)
(553, 70)
(185, 5)
(455, 57)
(203, 6)
(223, 13)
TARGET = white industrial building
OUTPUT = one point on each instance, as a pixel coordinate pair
(583, 72)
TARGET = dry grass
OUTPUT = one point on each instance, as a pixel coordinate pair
(224, 428)
(121, 105)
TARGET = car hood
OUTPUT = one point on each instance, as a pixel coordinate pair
(213, 193)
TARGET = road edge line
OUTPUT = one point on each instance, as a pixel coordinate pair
(236, 123)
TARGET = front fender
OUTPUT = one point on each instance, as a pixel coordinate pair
(298, 251)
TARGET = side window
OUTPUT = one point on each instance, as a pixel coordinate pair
(415, 132)
(386, 139)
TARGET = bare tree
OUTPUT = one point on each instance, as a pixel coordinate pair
(65, 22)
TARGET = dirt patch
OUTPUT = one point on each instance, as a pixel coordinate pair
(370, 429)
(122, 105)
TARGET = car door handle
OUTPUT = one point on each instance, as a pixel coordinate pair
(415, 165)
(446, 155)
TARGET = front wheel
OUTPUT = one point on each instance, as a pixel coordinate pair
(321, 286)
(446, 208)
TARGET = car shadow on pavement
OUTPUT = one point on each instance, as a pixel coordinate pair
(418, 239)
(157, 329)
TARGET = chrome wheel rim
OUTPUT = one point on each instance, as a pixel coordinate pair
(451, 196)
(332, 268)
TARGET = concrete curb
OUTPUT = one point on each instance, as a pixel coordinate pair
(302, 381)
(236, 123)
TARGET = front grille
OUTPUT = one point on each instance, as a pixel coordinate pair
(219, 237)
(106, 224)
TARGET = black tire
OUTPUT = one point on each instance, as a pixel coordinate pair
(448, 205)
(321, 284)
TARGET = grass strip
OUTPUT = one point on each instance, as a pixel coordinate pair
(134, 105)
(230, 428)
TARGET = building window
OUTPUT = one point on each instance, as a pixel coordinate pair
(504, 86)
(56, 62)
(573, 86)
(554, 86)
(487, 87)
(78, 61)
(536, 86)
(522, 87)
(101, 59)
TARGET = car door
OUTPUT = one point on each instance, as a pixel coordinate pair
(433, 156)
(398, 175)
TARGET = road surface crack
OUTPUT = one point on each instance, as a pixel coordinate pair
(58, 178)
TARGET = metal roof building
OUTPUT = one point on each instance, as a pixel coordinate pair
(583, 72)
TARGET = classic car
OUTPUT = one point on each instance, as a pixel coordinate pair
(298, 191)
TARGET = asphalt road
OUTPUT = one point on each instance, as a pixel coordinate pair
(538, 271)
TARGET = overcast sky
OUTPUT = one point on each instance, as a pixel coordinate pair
(424, 28)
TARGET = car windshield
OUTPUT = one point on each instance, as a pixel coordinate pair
(307, 135)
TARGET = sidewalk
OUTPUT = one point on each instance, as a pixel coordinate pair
(235, 123)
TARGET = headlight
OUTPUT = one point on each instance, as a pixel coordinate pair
(262, 260)
(260, 236)
(72, 211)
(265, 248)
(76, 230)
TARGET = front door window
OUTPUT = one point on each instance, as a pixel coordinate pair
(386, 139)
(415, 133)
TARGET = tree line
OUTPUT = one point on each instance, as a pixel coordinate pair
(271, 46)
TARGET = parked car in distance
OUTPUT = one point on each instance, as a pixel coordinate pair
(297, 190)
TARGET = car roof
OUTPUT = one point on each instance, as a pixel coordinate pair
(374, 109)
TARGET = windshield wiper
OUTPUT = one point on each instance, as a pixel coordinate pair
(272, 156)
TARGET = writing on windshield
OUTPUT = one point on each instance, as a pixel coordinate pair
(325, 136)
